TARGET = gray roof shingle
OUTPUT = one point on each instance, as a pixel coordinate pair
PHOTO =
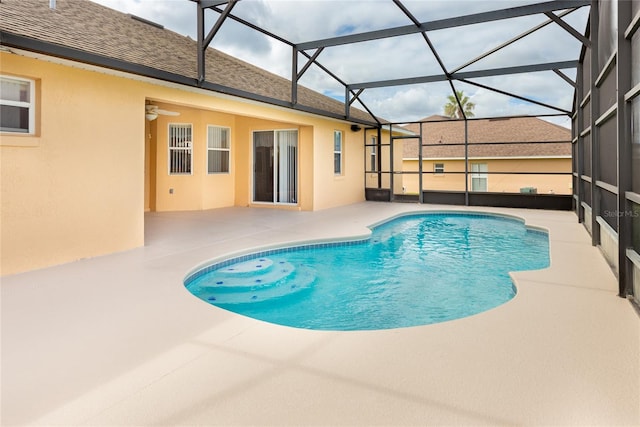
(542, 137)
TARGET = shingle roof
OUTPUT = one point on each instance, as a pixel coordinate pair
(96, 29)
(539, 133)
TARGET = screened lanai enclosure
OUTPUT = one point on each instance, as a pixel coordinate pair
(574, 63)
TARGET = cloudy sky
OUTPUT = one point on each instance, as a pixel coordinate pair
(399, 57)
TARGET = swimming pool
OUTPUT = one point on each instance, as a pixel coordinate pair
(414, 270)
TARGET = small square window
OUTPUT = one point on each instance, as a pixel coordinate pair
(17, 105)
(438, 168)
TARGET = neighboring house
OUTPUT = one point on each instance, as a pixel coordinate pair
(85, 149)
(547, 150)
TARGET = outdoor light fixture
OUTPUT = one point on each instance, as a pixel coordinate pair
(355, 128)
(151, 116)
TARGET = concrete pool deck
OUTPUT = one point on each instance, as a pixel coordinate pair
(117, 340)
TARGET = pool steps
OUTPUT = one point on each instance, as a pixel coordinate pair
(256, 280)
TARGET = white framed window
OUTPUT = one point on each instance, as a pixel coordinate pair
(180, 149)
(218, 149)
(337, 152)
(373, 153)
(479, 176)
(17, 105)
(438, 168)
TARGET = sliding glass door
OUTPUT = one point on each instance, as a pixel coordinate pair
(286, 179)
(275, 166)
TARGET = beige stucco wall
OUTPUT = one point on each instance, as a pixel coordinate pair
(333, 190)
(557, 184)
(318, 187)
(75, 189)
(80, 186)
(199, 190)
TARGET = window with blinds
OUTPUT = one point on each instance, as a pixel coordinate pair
(337, 152)
(218, 149)
(287, 166)
(180, 149)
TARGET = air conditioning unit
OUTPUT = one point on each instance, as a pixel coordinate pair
(529, 190)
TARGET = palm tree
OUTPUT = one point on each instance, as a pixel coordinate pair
(452, 109)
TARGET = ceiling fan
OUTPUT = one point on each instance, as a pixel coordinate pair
(152, 112)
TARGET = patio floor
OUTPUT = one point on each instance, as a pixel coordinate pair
(117, 340)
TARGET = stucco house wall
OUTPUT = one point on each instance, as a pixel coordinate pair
(75, 189)
(80, 186)
(332, 189)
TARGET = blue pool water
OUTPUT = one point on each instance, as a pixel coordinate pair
(414, 270)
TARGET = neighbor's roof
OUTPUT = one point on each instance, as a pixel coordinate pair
(438, 130)
(96, 29)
